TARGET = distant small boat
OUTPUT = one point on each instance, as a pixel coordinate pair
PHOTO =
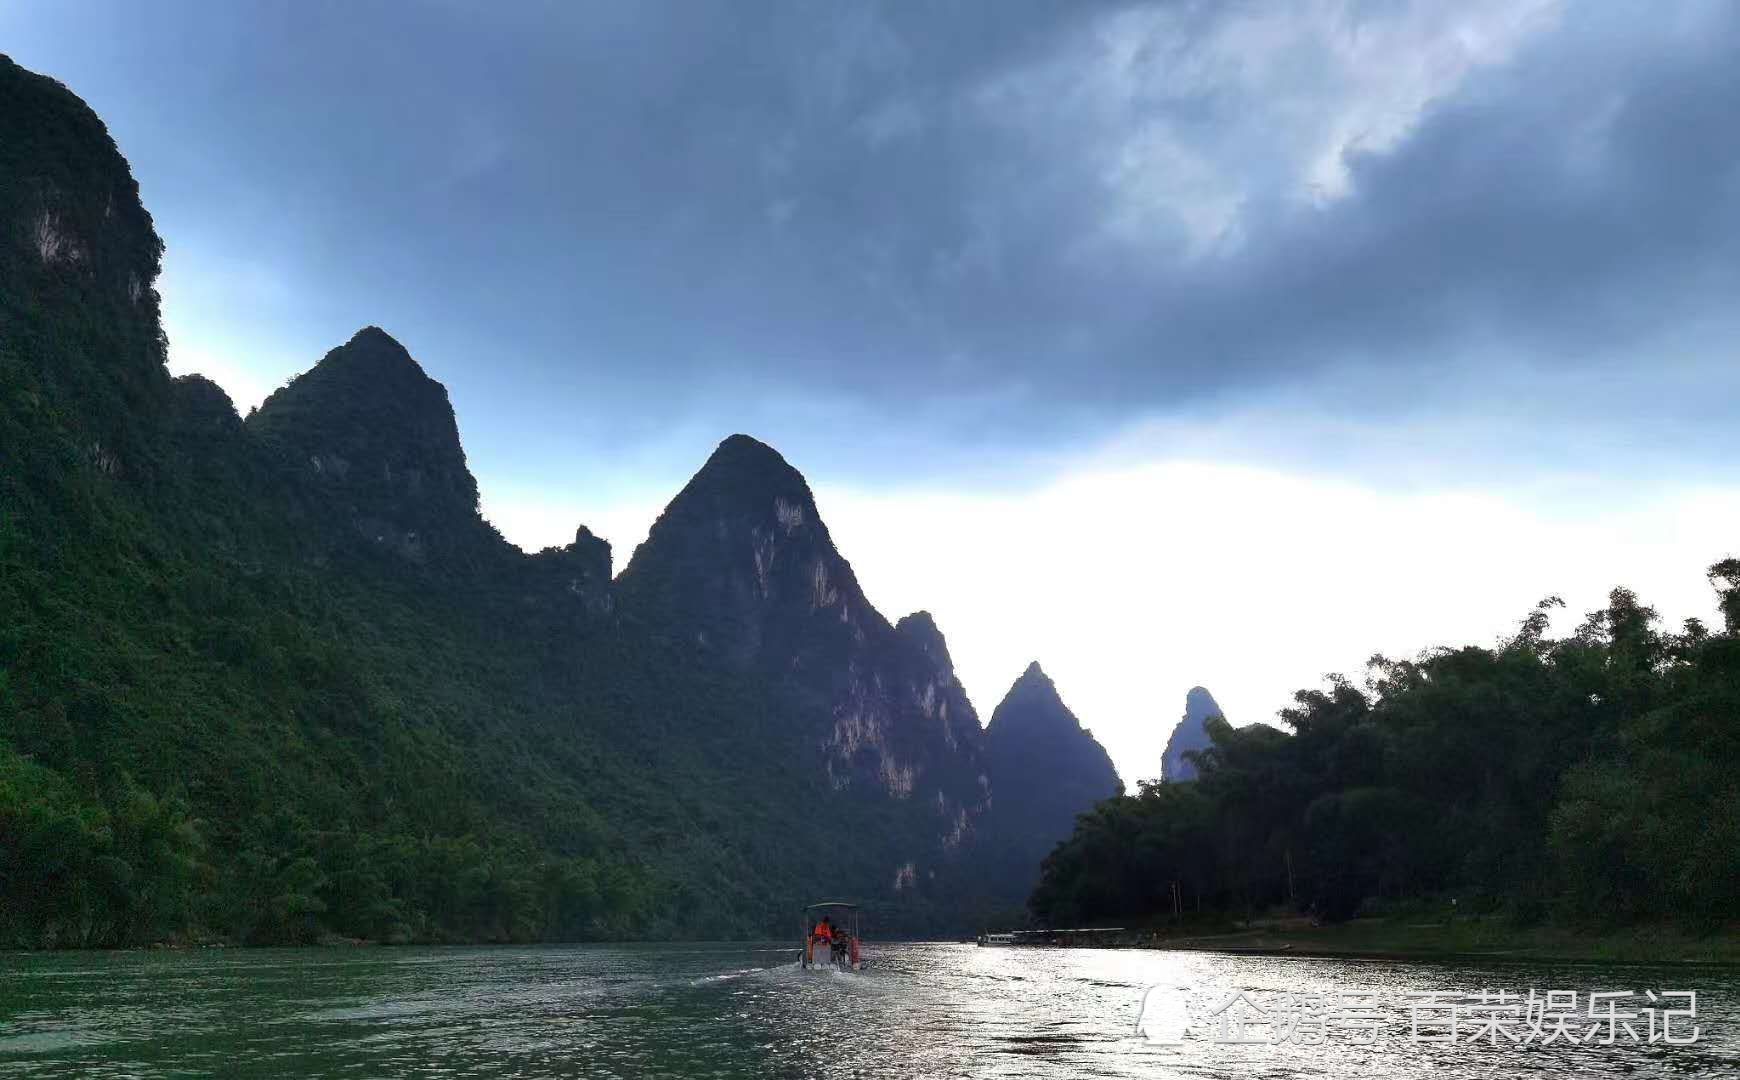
(831, 937)
(996, 939)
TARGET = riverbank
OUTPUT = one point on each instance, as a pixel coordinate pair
(1401, 938)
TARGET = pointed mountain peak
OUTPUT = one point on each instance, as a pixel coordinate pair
(921, 630)
(1034, 706)
(742, 471)
(742, 554)
(1190, 736)
(1044, 769)
(374, 379)
(369, 403)
(372, 427)
(745, 494)
(1199, 705)
(740, 566)
(375, 355)
(745, 485)
(1035, 685)
(374, 335)
(746, 452)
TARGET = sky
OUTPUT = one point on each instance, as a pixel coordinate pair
(1165, 343)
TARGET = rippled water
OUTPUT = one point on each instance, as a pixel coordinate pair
(743, 1010)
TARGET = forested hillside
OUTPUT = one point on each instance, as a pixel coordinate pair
(1592, 776)
(276, 680)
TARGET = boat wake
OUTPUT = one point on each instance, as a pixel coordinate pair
(729, 976)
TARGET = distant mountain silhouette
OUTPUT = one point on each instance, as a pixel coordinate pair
(1045, 769)
(1190, 736)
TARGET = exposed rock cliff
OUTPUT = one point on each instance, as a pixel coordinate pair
(78, 263)
(741, 565)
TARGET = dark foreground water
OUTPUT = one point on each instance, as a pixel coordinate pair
(921, 1010)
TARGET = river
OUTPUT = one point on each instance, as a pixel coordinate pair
(733, 1010)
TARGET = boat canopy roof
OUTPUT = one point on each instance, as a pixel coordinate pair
(830, 903)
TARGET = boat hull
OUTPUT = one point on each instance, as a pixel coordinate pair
(819, 956)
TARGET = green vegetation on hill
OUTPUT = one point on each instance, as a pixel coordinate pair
(276, 681)
(1590, 778)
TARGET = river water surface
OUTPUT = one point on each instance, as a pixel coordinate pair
(735, 1010)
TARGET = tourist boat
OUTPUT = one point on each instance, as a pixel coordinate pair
(996, 939)
(839, 948)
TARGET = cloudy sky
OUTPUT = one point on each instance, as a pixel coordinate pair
(1166, 343)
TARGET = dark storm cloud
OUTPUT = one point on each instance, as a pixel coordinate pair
(1585, 196)
(1031, 218)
